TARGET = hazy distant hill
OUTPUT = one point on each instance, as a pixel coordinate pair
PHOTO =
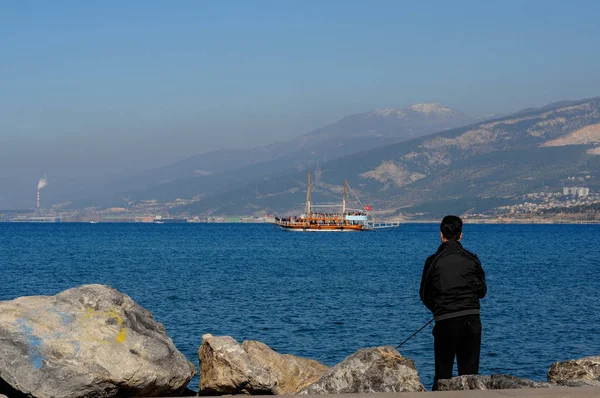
(527, 152)
(222, 170)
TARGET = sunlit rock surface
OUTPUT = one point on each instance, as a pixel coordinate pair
(227, 367)
(584, 371)
(90, 341)
(493, 382)
(377, 369)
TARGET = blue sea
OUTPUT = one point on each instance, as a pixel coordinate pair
(324, 296)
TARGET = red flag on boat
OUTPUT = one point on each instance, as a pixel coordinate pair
(368, 207)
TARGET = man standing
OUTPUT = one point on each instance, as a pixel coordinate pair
(453, 282)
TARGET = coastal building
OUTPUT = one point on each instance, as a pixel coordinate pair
(580, 192)
(36, 219)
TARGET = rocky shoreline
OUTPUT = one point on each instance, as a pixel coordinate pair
(94, 341)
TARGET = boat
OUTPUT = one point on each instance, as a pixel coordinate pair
(93, 222)
(167, 220)
(346, 220)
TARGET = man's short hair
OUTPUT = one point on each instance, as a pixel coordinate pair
(451, 227)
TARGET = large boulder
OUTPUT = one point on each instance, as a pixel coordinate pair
(291, 373)
(493, 382)
(460, 383)
(584, 371)
(579, 383)
(90, 341)
(377, 369)
(227, 367)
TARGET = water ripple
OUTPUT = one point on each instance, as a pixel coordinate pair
(324, 296)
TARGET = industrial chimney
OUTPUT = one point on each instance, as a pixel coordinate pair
(43, 182)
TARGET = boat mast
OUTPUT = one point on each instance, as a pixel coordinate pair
(344, 200)
(308, 197)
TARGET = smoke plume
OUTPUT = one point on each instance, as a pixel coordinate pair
(43, 182)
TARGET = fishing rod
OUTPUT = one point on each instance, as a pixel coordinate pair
(415, 333)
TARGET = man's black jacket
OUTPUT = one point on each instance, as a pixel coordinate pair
(453, 282)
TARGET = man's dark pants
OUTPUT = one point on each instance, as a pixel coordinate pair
(460, 337)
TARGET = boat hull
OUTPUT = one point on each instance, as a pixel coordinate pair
(324, 228)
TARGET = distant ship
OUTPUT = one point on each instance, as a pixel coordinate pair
(161, 220)
(346, 220)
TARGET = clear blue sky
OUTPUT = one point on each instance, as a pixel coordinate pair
(142, 83)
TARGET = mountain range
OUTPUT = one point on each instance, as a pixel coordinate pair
(481, 165)
(220, 171)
